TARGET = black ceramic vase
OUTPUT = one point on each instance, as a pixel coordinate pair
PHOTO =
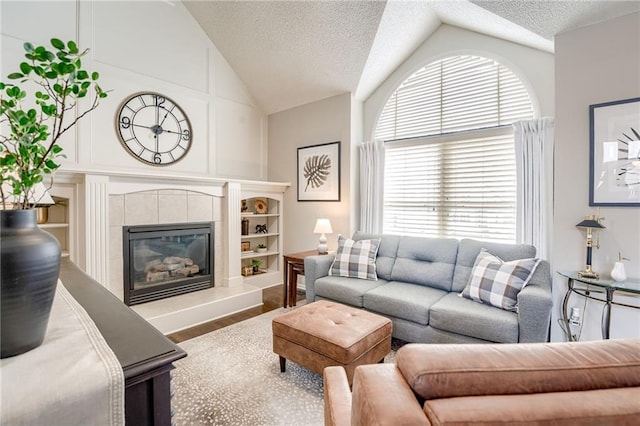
(29, 269)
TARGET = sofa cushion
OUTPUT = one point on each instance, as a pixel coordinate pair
(616, 406)
(345, 290)
(426, 261)
(463, 316)
(498, 283)
(355, 259)
(387, 252)
(402, 300)
(469, 249)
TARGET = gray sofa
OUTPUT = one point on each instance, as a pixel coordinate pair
(418, 287)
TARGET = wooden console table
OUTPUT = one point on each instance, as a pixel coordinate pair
(294, 266)
(145, 354)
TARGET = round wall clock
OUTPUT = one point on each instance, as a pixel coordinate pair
(153, 128)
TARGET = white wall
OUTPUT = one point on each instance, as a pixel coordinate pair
(595, 64)
(534, 67)
(324, 121)
(147, 46)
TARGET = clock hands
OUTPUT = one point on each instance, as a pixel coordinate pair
(165, 116)
(156, 129)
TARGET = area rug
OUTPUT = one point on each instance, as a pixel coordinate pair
(232, 377)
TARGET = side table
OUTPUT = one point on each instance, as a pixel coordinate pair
(606, 286)
(294, 266)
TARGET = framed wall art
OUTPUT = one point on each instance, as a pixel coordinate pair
(319, 172)
(614, 172)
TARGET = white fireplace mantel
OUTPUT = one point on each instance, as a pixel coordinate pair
(89, 213)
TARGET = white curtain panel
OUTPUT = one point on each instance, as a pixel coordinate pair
(371, 186)
(534, 163)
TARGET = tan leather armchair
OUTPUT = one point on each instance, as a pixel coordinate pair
(577, 383)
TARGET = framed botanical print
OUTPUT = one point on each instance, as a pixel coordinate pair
(614, 173)
(319, 172)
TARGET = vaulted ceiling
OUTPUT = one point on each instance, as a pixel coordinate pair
(289, 53)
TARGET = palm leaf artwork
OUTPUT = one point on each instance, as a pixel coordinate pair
(317, 170)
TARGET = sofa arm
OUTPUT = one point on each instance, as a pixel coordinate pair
(381, 396)
(337, 397)
(534, 306)
(315, 267)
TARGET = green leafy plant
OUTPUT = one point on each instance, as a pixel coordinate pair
(32, 123)
(256, 263)
(262, 246)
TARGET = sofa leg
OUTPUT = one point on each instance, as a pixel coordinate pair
(283, 363)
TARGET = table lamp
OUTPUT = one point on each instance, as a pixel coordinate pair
(590, 223)
(323, 226)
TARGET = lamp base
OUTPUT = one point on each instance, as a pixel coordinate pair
(588, 273)
(322, 246)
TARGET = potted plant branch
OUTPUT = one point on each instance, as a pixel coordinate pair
(35, 112)
(30, 149)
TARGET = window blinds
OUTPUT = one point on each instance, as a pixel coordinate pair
(450, 160)
(454, 94)
(461, 186)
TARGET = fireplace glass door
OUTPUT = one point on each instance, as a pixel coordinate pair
(166, 260)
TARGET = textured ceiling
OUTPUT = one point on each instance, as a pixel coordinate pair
(548, 18)
(292, 53)
(289, 53)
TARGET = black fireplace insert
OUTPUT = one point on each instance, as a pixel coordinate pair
(166, 260)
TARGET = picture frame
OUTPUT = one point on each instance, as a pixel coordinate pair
(245, 246)
(319, 172)
(614, 155)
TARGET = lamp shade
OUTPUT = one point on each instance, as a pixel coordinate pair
(323, 226)
(590, 223)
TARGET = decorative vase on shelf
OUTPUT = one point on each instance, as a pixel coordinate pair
(29, 269)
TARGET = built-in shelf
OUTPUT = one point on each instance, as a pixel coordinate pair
(271, 234)
(265, 278)
(50, 225)
(58, 223)
(256, 254)
(271, 259)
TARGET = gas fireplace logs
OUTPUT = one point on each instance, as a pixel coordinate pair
(172, 266)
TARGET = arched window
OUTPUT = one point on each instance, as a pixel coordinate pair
(450, 161)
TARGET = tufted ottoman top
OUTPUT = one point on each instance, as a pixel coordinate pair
(339, 332)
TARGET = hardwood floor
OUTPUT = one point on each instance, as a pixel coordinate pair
(271, 299)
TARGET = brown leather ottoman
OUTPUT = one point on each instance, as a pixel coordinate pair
(325, 333)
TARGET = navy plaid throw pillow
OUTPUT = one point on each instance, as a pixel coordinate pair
(355, 259)
(498, 283)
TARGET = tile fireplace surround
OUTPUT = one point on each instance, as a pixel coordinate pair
(100, 204)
